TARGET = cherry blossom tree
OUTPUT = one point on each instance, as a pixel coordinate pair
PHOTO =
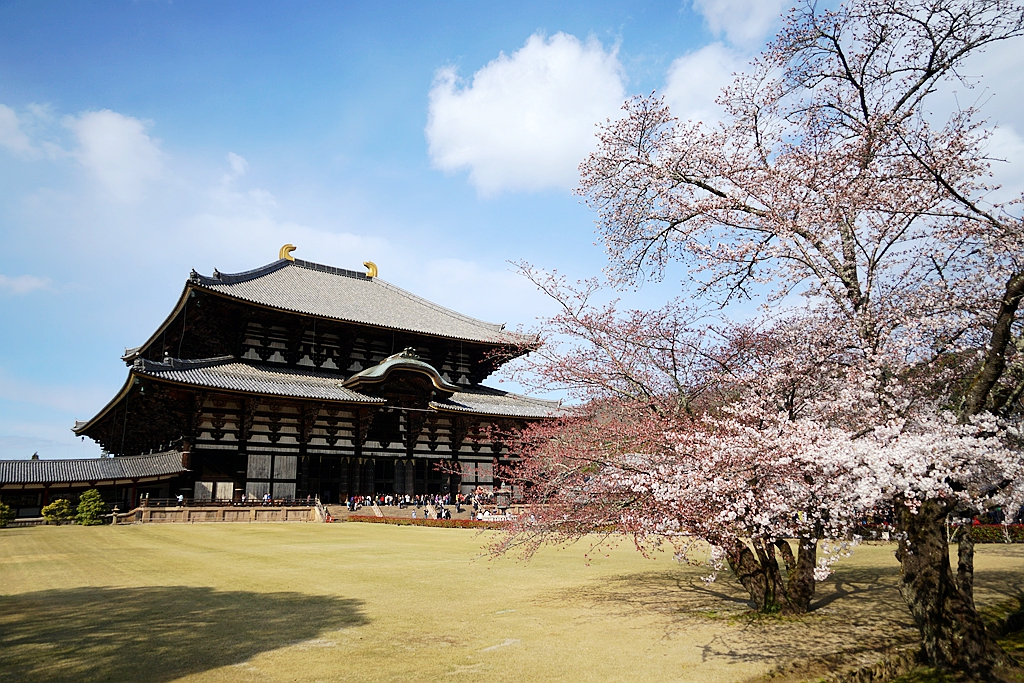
(896, 387)
(656, 388)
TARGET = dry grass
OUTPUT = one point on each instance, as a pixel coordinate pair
(345, 602)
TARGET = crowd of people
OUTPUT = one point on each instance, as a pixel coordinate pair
(422, 504)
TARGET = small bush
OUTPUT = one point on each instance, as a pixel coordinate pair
(90, 508)
(58, 511)
(6, 514)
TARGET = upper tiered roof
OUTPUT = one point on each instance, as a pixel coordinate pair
(311, 288)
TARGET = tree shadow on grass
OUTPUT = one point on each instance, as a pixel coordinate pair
(856, 614)
(856, 611)
(154, 633)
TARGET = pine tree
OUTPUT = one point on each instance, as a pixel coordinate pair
(90, 508)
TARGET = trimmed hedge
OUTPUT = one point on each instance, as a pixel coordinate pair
(444, 523)
(980, 533)
(998, 533)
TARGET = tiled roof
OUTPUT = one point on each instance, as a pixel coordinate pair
(483, 400)
(90, 470)
(229, 374)
(311, 288)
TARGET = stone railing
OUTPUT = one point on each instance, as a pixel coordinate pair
(216, 513)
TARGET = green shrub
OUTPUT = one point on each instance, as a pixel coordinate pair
(90, 508)
(6, 514)
(58, 511)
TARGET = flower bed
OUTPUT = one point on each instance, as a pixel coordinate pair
(446, 523)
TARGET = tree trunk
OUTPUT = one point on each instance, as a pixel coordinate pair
(757, 569)
(801, 584)
(942, 604)
(965, 565)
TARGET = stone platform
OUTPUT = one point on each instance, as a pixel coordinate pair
(229, 513)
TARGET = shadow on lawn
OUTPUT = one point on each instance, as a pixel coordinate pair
(154, 633)
(857, 612)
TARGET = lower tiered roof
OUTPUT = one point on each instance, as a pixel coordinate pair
(91, 471)
(232, 375)
(268, 379)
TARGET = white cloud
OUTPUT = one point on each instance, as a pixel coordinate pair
(696, 79)
(228, 195)
(526, 120)
(998, 75)
(48, 442)
(495, 295)
(743, 22)
(1006, 148)
(252, 237)
(118, 152)
(22, 284)
(11, 135)
(238, 165)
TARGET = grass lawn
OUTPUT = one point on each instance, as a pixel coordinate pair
(356, 602)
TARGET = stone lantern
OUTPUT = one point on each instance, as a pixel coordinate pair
(502, 497)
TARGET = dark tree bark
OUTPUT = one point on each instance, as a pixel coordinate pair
(953, 634)
(941, 602)
(800, 587)
(756, 566)
(980, 391)
(965, 565)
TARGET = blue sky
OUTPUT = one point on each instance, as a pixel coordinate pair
(141, 139)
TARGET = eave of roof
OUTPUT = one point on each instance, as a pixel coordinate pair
(486, 401)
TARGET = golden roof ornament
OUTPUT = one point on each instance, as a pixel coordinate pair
(286, 252)
(371, 268)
